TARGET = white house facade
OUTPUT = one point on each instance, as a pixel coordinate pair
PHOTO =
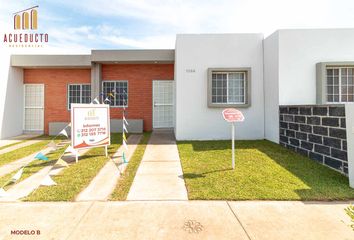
(294, 87)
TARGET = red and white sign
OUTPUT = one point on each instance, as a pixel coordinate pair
(232, 115)
(90, 125)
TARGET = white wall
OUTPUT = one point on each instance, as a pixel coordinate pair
(194, 120)
(271, 87)
(299, 51)
(11, 98)
(349, 118)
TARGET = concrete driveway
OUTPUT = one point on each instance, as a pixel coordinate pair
(159, 176)
(175, 220)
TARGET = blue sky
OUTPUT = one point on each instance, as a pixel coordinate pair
(125, 24)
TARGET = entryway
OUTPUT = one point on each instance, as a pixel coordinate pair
(33, 108)
(159, 176)
(163, 104)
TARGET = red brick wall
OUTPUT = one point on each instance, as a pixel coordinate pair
(140, 77)
(55, 89)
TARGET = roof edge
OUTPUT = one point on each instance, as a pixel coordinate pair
(50, 61)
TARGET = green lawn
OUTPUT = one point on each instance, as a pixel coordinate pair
(43, 137)
(22, 152)
(126, 180)
(33, 167)
(72, 180)
(11, 144)
(264, 171)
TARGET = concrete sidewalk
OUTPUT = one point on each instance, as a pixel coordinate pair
(20, 145)
(261, 220)
(12, 166)
(30, 184)
(103, 184)
(5, 142)
(159, 176)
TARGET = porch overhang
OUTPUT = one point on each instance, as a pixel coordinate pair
(133, 56)
(51, 61)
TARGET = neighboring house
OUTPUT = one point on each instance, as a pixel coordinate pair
(294, 87)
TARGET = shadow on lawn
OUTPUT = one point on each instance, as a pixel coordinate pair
(323, 183)
(202, 175)
(223, 144)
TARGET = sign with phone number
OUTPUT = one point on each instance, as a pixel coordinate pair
(90, 125)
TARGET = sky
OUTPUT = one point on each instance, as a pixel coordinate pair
(79, 26)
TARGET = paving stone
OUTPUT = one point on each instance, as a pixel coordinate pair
(307, 145)
(305, 111)
(314, 120)
(338, 133)
(334, 163)
(339, 154)
(332, 142)
(337, 111)
(321, 111)
(320, 130)
(293, 110)
(322, 149)
(316, 156)
(332, 122)
(305, 128)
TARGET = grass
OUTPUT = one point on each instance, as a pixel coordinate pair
(72, 180)
(41, 137)
(11, 144)
(125, 181)
(350, 212)
(33, 167)
(22, 152)
(22, 141)
(264, 171)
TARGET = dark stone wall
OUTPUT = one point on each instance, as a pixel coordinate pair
(318, 132)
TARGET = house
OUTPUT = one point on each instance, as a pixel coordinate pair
(295, 87)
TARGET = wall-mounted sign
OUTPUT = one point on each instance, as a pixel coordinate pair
(90, 126)
(233, 115)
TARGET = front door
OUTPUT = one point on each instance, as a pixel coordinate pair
(33, 108)
(163, 104)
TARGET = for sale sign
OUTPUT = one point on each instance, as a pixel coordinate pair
(90, 125)
(233, 115)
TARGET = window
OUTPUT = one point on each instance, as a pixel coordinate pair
(334, 82)
(79, 93)
(340, 84)
(119, 89)
(228, 87)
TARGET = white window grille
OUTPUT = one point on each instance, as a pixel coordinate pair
(340, 84)
(119, 90)
(79, 93)
(228, 87)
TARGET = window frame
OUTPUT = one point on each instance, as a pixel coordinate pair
(321, 81)
(68, 93)
(247, 87)
(115, 81)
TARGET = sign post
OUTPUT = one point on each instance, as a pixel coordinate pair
(233, 115)
(90, 126)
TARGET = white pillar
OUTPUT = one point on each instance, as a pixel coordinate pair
(349, 119)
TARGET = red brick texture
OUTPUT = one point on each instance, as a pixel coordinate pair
(55, 90)
(139, 77)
